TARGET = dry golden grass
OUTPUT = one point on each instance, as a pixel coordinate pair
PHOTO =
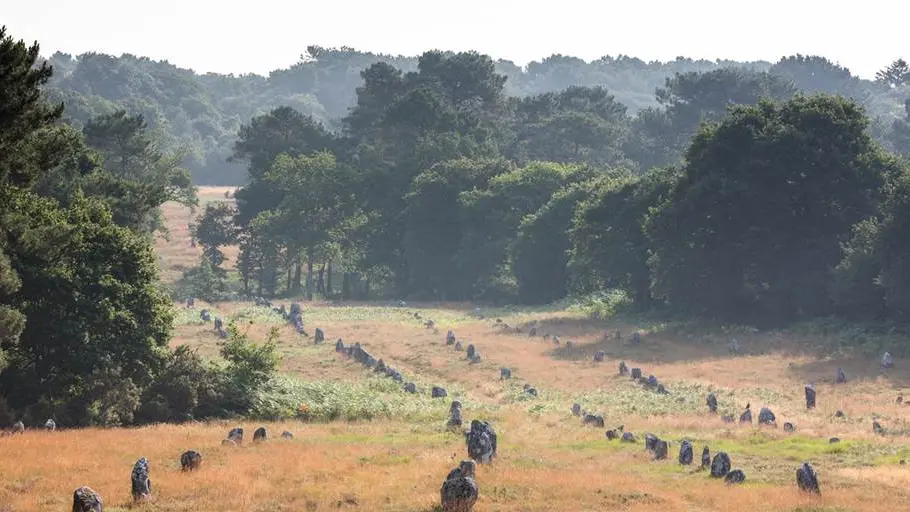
(548, 461)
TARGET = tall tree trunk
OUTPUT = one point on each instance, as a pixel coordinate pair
(328, 279)
(309, 274)
(297, 273)
(320, 286)
(290, 281)
(346, 286)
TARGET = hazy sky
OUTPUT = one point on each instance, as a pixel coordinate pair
(230, 36)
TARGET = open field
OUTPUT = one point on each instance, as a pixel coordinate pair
(547, 460)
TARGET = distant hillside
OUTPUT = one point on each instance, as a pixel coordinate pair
(204, 112)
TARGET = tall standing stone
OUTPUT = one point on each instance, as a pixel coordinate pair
(623, 369)
(661, 449)
(471, 351)
(599, 356)
(810, 396)
(141, 483)
(712, 402)
(319, 336)
(705, 457)
(686, 453)
(576, 409)
(260, 435)
(50, 425)
(481, 441)
(841, 377)
(450, 338)
(806, 479)
(505, 373)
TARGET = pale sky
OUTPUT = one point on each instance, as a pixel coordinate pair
(231, 36)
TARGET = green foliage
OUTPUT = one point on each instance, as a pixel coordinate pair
(757, 238)
(205, 282)
(214, 229)
(249, 366)
(540, 256)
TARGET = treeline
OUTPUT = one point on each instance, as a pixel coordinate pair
(736, 198)
(84, 325)
(200, 114)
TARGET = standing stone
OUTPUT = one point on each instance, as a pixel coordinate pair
(142, 485)
(339, 345)
(18, 427)
(450, 338)
(594, 419)
(410, 387)
(720, 466)
(746, 416)
(458, 346)
(481, 441)
(87, 500)
(789, 427)
(705, 457)
(236, 435)
(260, 435)
(810, 396)
(50, 425)
(205, 315)
(841, 377)
(623, 369)
(454, 415)
(319, 336)
(532, 332)
(661, 450)
(438, 392)
(887, 360)
(735, 477)
(287, 435)
(712, 402)
(877, 428)
(459, 491)
(636, 338)
(766, 417)
(190, 460)
(576, 409)
(651, 442)
(471, 351)
(380, 366)
(599, 356)
(505, 373)
(531, 391)
(636, 373)
(628, 437)
(685, 453)
(806, 479)
(219, 323)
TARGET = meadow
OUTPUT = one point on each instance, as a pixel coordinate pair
(370, 446)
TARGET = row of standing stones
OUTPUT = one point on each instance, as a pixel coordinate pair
(85, 499)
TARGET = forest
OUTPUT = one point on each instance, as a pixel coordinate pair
(742, 192)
